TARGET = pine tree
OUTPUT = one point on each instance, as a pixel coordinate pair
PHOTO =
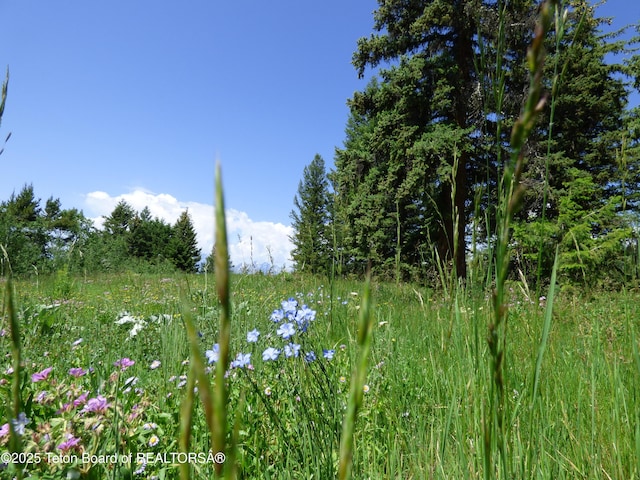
(310, 217)
(427, 141)
(184, 244)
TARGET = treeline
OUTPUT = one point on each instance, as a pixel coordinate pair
(46, 238)
(415, 189)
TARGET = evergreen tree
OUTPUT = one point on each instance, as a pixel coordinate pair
(310, 217)
(426, 143)
(150, 238)
(184, 245)
(120, 220)
(574, 175)
(22, 232)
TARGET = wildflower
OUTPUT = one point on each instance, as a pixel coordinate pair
(81, 400)
(310, 357)
(270, 354)
(135, 411)
(141, 468)
(252, 336)
(343, 379)
(69, 443)
(366, 389)
(96, 405)
(130, 381)
(4, 430)
(153, 440)
(155, 364)
(307, 314)
(77, 342)
(289, 306)
(39, 376)
(214, 354)
(286, 330)
(242, 360)
(267, 391)
(124, 363)
(291, 350)
(303, 317)
(19, 423)
(77, 372)
(41, 396)
(150, 426)
(328, 354)
(277, 316)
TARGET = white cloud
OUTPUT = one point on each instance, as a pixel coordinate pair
(250, 243)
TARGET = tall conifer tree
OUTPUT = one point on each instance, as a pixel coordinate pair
(310, 217)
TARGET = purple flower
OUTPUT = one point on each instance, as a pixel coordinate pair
(124, 363)
(77, 372)
(310, 357)
(41, 396)
(4, 430)
(39, 376)
(96, 405)
(81, 400)
(69, 443)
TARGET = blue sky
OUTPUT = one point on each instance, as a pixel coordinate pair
(137, 100)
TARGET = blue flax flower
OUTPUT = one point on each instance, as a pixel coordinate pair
(310, 357)
(303, 317)
(252, 336)
(328, 354)
(308, 314)
(241, 361)
(214, 354)
(292, 350)
(277, 316)
(270, 354)
(286, 330)
(19, 423)
(290, 306)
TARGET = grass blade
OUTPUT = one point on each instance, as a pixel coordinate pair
(356, 391)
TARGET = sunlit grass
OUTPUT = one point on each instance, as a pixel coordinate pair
(426, 386)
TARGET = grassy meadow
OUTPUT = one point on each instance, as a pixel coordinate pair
(427, 400)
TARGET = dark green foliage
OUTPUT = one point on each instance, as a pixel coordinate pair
(427, 142)
(311, 218)
(54, 239)
(149, 237)
(37, 240)
(183, 245)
